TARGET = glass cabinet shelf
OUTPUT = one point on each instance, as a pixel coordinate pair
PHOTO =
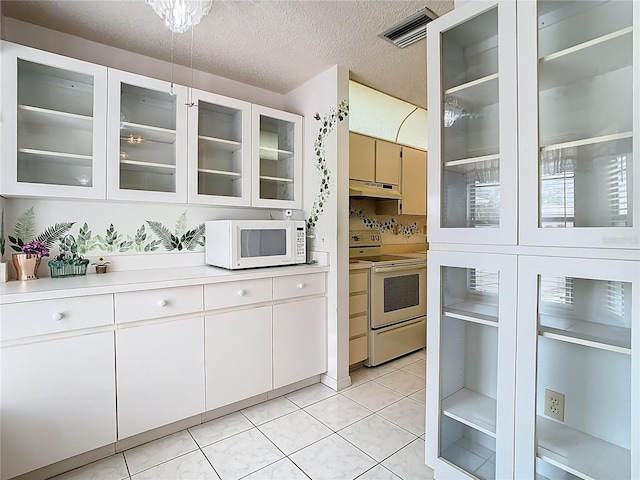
(466, 161)
(474, 95)
(596, 57)
(590, 334)
(61, 119)
(477, 312)
(469, 449)
(580, 454)
(221, 143)
(472, 409)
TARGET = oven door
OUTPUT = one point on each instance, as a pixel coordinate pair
(398, 293)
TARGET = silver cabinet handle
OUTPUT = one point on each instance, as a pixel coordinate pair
(162, 303)
(241, 293)
(57, 316)
(301, 285)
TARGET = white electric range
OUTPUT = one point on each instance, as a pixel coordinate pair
(397, 298)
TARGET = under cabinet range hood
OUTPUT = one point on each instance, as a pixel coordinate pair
(359, 188)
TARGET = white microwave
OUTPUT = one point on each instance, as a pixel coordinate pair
(236, 244)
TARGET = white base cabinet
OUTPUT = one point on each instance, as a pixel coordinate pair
(160, 371)
(58, 400)
(297, 353)
(234, 373)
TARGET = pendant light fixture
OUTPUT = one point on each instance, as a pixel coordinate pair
(180, 15)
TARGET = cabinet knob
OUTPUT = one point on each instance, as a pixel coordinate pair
(162, 303)
(301, 285)
(57, 316)
(241, 293)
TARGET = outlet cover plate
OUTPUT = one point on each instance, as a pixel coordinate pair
(554, 405)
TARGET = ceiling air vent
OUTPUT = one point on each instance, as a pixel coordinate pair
(410, 30)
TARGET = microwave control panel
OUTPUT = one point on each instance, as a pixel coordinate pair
(301, 251)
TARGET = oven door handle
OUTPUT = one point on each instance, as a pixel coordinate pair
(399, 268)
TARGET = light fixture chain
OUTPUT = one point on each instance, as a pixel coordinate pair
(190, 98)
(171, 91)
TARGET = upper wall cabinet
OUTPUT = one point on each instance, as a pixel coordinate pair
(277, 158)
(146, 139)
(53, 125)
(373, 160)
(414, 182)
(219, 150)
(472, 98)
(579, 110)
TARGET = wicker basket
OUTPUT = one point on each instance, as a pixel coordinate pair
(68, 268)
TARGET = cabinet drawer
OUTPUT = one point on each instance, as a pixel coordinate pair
(298, 285)
(358, 350)
(358, 282)
(358, 304)
(163, 302)
(53, 316)
(233, 294)
(358, 325)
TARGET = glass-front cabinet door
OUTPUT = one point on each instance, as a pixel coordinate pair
(219, 150)
(579, 106)
(147, 139)
(471, 101)
(578, 369)
(277, 158)
(53, 126)
(470, 365)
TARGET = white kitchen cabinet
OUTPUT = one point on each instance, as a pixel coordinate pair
(470, 364)
(219, 138)
(146, 139)
(58, 400)
(578, 338)
(277, 158)
(53, 126)
(472, 116)
(238, 355)
(299, 340)
(160, 374)
(578, 123)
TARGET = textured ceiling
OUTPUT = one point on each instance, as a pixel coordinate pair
(276, 45)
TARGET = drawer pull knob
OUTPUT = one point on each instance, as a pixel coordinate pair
(301, 285)
(57, 316)
(162, 303)
(241, 293)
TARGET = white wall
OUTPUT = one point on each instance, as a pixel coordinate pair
(319, 95)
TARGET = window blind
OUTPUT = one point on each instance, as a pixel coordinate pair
(482, 281)
(483, 204)
(615, 298)
(558, 290)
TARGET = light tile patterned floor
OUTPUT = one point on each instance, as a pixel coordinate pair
(373, 430)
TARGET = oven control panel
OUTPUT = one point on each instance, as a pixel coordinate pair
(364, 238)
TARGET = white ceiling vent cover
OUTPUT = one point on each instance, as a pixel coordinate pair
(409, 30)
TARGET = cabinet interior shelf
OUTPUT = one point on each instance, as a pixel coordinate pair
(476, 312)
(61, 157)
(45, 116)
(473, 409)
(147, 132)
(588, 141)
(221, 143)
(268, 153)
(478, 93)
(276, 179)
(589, 334)
(580, 454)
(471, 160)
(611, 52)
(223, 173)
(149, 167)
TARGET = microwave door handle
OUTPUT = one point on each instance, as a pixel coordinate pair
(399, 268)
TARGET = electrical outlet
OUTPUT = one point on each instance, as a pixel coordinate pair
(554, 405)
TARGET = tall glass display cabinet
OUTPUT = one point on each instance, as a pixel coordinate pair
(471, 352)
(578, 369)
(53, 126)
(472, 116)
(579, 106)
(146, 139)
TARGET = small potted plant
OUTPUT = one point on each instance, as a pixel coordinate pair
(101, 265)
(27, 262)
(68, 263)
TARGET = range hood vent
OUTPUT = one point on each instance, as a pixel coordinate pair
(410, 30)
(358, 188)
